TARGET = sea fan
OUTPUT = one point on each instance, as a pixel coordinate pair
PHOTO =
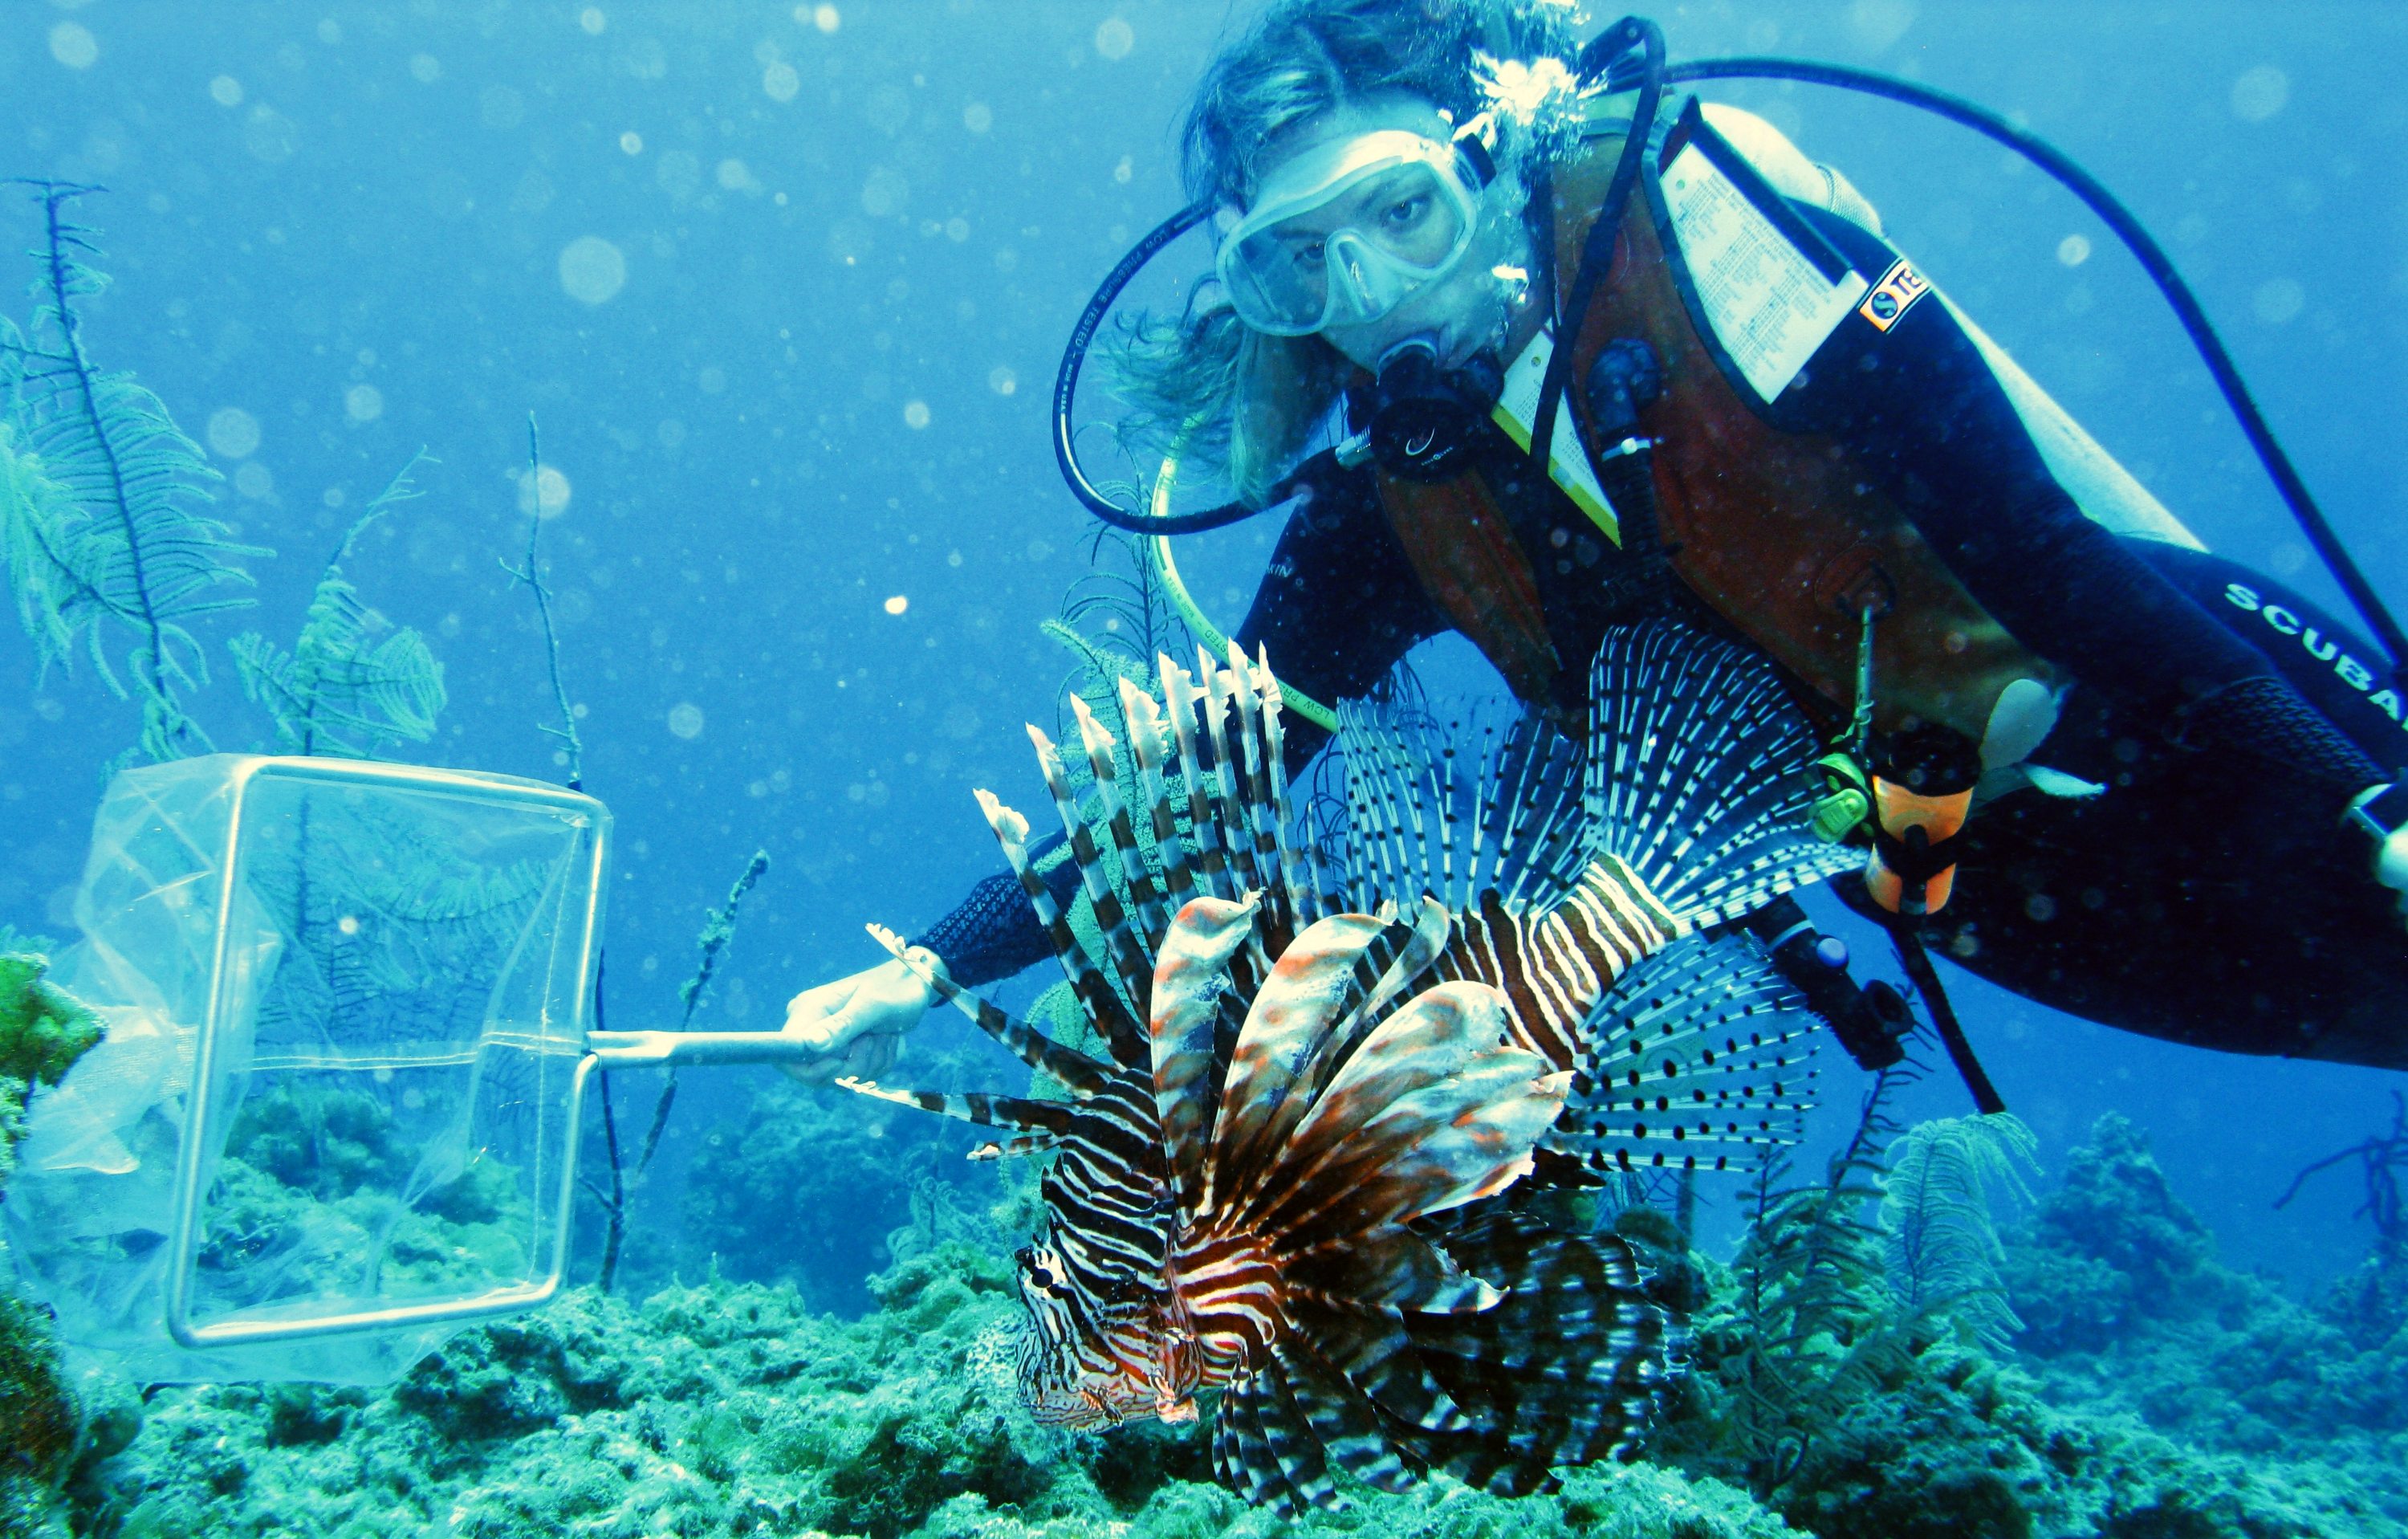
(99, 499)
(1939, 1245)
(341, 689)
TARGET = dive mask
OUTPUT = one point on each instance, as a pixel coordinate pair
(1346, 233)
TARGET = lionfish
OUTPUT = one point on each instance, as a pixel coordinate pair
(1297, 1177)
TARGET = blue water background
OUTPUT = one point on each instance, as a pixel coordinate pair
(851, 254)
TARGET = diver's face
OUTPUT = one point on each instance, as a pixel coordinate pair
(1409, 220)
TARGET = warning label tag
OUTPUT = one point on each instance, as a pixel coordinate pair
(1769, 307)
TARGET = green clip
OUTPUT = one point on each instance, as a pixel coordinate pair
(1847, 800)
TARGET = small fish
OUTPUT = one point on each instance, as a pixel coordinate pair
(1297, 1178)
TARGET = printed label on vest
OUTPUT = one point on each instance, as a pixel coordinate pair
(1769, 307)
(1894, 296)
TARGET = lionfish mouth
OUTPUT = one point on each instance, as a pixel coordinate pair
(1297, 1177)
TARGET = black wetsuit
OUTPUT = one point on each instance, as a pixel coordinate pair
(2210, 896)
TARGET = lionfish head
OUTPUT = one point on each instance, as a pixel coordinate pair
(1086, 1359)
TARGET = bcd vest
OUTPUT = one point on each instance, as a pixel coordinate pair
(1781, 533)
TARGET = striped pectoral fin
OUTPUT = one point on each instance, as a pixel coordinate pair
(1469, 1136)
(1390, 967)
(1318, 977)
(1389, 1266)
(1051, 1118)
(1279, 1460)
(1369, 1348)
(1191, 982)
(1567, 1370)
(1080, 1073)
(1430, 1112)
(1352, 1431)
(1701, 772)
(1700, 1058)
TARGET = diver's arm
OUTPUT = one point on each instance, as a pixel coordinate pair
(1337, 609)
(1338, 605)
(1923, 412)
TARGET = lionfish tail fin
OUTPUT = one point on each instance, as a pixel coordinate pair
(1080, 1073)
(1700, 775)
(1698, 1058)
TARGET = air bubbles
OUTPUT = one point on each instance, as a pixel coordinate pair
(685, 720)
(2278, 299)
(254, 481)
(780, 81)
(1114, 38)
(884, 192)
(499, 107)
(364, 403)
(896, 604)
(1001, 380)
(957, 229)
(2260, 93)
(631, 143)
(226, 91)
(548, 498)
(825, 18)
(426, 68)
(592, 269)
(73, 45)
(269, 136)
(915, 415)
(2074, 251)
(592, 19)
(233, 433)
(977, 117)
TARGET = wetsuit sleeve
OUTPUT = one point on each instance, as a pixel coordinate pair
(1337, 607)
(1340, 604)
(1924, 413)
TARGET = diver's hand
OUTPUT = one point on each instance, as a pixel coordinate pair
(855, 1024)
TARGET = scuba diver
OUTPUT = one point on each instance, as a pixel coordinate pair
(1768, 422)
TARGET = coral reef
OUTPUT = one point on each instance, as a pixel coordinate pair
(43, 1431)
(731, 1409)
(2149, 1393)
(2149, 1390)
(2129, 1312)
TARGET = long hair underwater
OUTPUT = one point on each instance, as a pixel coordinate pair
(1299, 1176)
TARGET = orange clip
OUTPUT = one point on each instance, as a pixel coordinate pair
(1909, 848)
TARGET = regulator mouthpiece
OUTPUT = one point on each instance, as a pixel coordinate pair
(1423, 416)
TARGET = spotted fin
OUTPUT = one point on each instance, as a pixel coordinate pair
(1699, 1058)
(1459, 812)
(1700, 776)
